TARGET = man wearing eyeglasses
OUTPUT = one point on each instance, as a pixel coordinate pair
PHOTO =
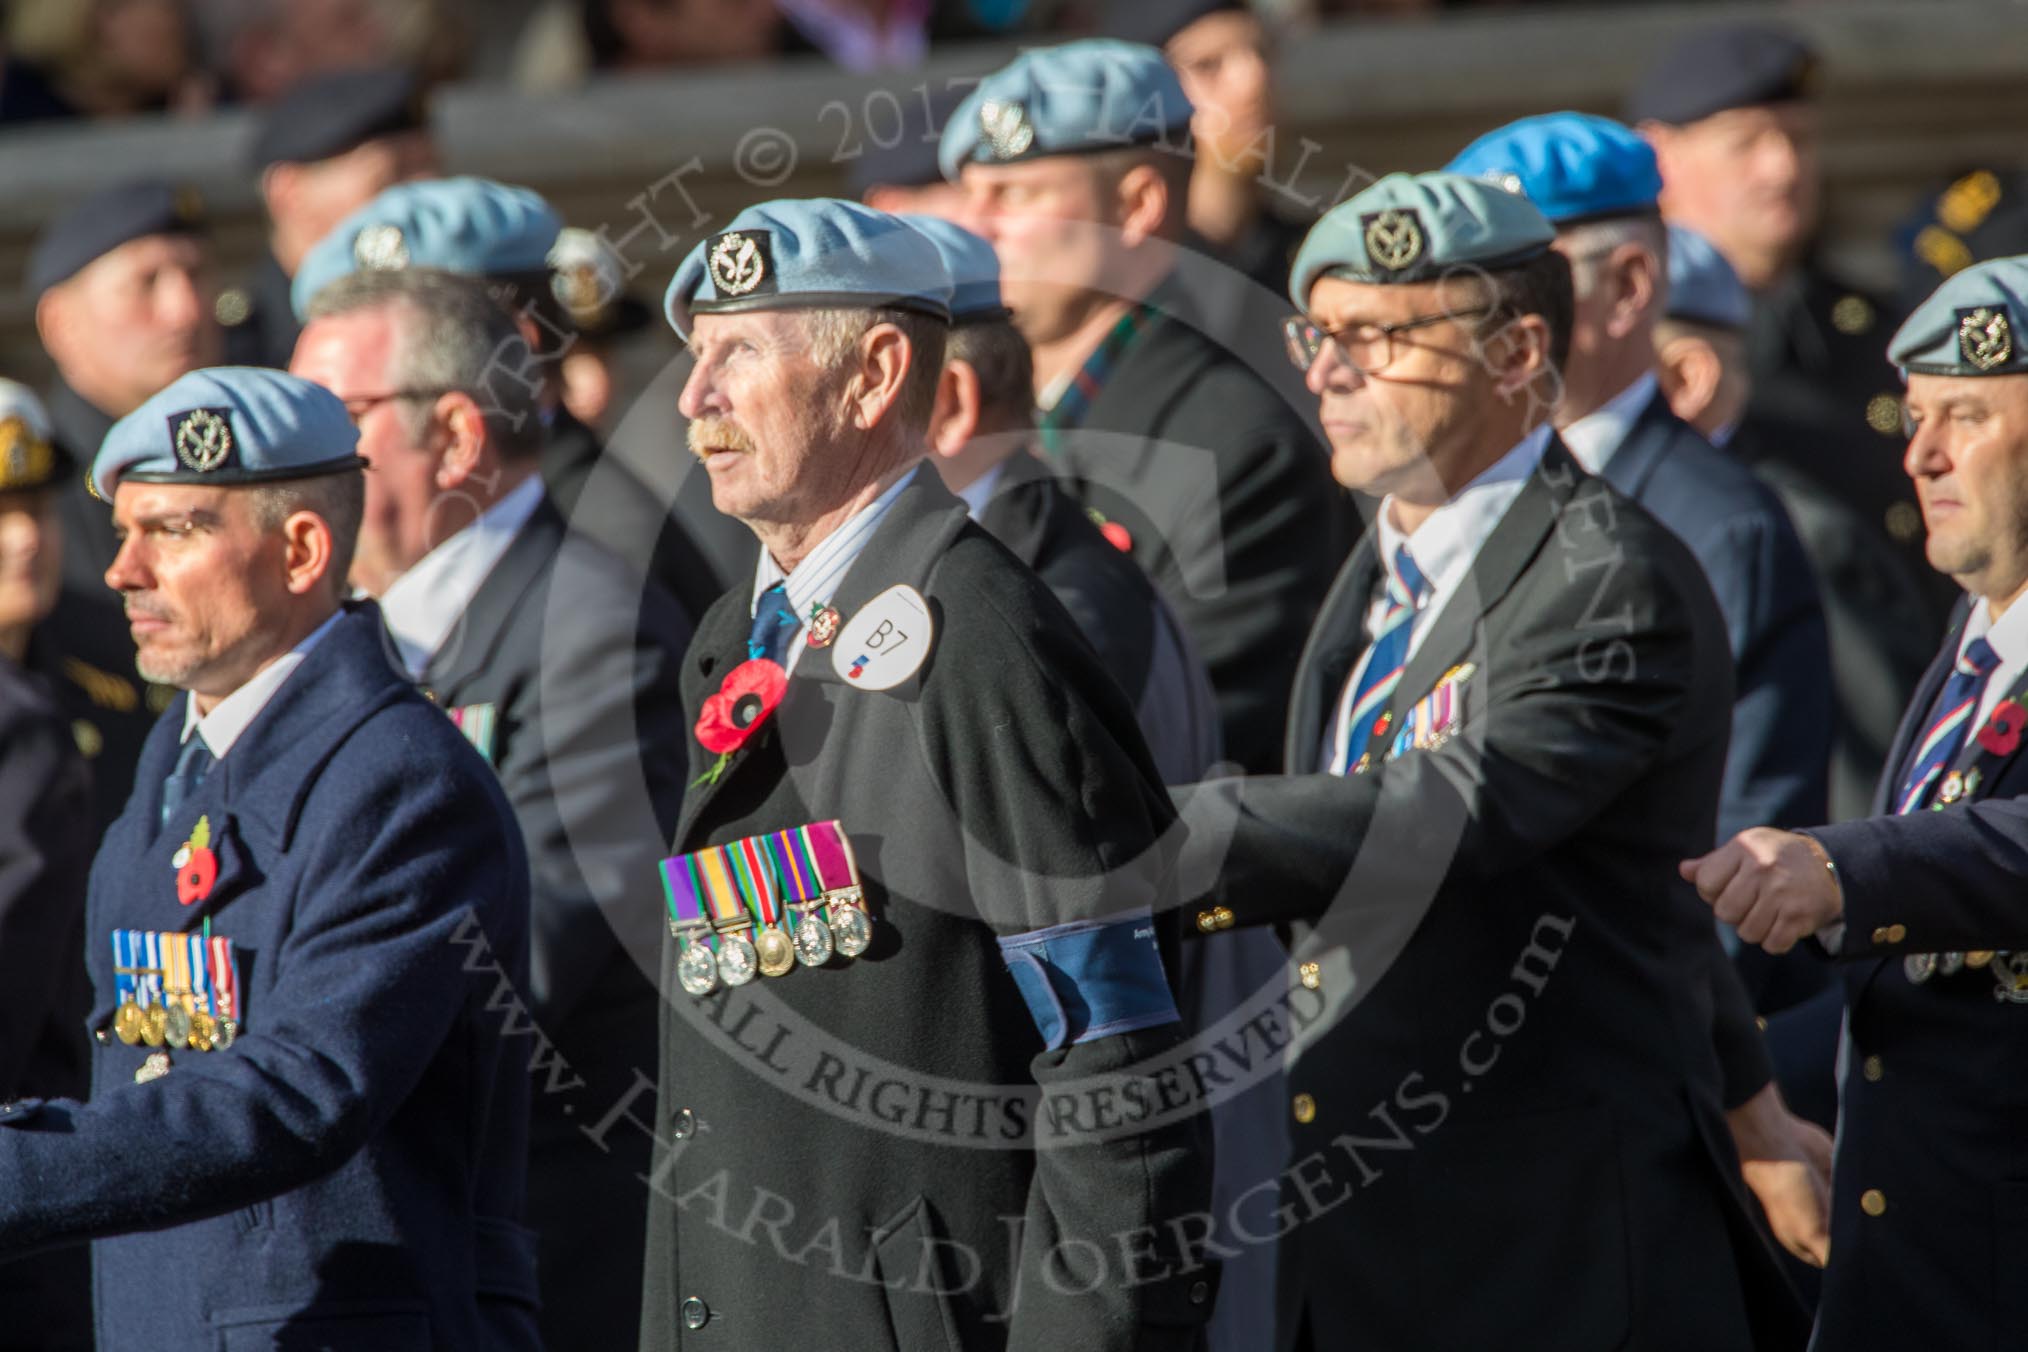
(1518, 695)
(559, 663)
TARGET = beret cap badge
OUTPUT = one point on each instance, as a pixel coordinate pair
(203, 438)
(380, 248)
(1985, 337)
(738, 262)
(1394, 238)
(1006, 128)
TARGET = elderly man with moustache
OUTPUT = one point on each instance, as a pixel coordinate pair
(1921, 902)
(891, 687)
(304, 1102)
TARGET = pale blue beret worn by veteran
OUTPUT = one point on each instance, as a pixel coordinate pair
(1097, 94)
(973, 267)
(1419, 227)
(1972, 325)
(226, 426)
(815, 253)
(1703, 288)
(472, 226)
(1574, 167)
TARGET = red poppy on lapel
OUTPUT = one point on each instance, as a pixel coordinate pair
(196, 865)
(745, 699)
(2002, 733)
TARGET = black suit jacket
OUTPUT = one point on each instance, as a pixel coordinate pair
(1509, 1070)
(999, 789)
(1138, 638)
(577, 657)
(1227, 494)
(1934, 1091)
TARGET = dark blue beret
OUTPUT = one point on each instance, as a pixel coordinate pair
(1156, 21)
(327, 115)
(1740, 66)
(103, 222)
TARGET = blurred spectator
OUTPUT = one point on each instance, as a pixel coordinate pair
(902, 176)
(327, 148)
(1981, 213)
(647, 34)
(864, 35)
(263, 48)
(586, 277)
(103, 58)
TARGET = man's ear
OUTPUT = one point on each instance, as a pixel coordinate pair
(1141, 204)
(53, 322)
(954, 420)
(1634, 274)
(1689, 371)
(1517, 354)
(884, 359)
(307, 553)
(464, 433)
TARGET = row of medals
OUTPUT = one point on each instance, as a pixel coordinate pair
(774, 951)
(1920, 967)
(172, 1025)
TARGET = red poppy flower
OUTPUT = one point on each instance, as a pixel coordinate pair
(196, 875)
(744, 700)
(2002, 733)
(1118, 536)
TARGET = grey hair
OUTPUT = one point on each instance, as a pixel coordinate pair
(834, 333)
(1588, 243)
(339, 499)
(450, 334)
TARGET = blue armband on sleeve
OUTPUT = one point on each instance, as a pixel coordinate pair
(1091, 978)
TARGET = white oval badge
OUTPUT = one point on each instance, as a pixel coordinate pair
(886, 642)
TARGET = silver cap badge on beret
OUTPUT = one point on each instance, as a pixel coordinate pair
(1394, 238)
(737, 263)
(1985, 337)
(203, 439)
(380, 248)
(1006, 128)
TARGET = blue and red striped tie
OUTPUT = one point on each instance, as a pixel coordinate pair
(1950, 720)
(1380, 667)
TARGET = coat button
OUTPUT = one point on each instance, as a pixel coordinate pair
(1207, 921)
(1200, 1291)
(1305, 1109)
(1224, 916)
(1311, 975)
(1896, 933)
(695, 1313)
(1873, 1069)
(1873, 1202)
(684, 1126)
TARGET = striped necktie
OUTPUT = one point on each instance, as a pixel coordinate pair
(773, 622)
(1379, 670)
(1950, 717)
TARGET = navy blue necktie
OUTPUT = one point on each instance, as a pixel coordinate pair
(192, 764)
(773, 623)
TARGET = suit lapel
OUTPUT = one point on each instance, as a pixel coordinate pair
(1646, 446)
(1334, 645)
(920, 525)
(475, 639)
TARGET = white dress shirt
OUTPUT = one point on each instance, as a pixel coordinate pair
(979, 492)
(426, 602)
(1596, 437)
(1443, 547)
(232, 715)
(818, 577)
(2009, 637)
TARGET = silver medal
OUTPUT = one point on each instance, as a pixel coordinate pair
(813, 941)
(1953, 963)
(697, 970)
(851, 930)
(1919, 967)
(737, 962)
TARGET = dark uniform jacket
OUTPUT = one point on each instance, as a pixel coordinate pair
(348, 1173)
(872, 1124)
(1227, 497)
(1510, 1070)
(46, 843)
(606, 501)
(571, 660)
(1927, 1235)
(1117, 609)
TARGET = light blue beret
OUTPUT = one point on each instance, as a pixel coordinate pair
(1703, 288)
(973, 267)
(1574, 167)
(815, 253)
(1415, 227)
(1097, 94)
(229, 425)
(1972, 325)
(472, 226)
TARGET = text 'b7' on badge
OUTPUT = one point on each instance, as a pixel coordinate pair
(886, 642)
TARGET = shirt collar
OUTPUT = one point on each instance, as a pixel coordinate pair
(820, 574)
(232, 715)
(423, 605)
(979, 492)
(2008, 635)
(1594, 438)
(1448, 539)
